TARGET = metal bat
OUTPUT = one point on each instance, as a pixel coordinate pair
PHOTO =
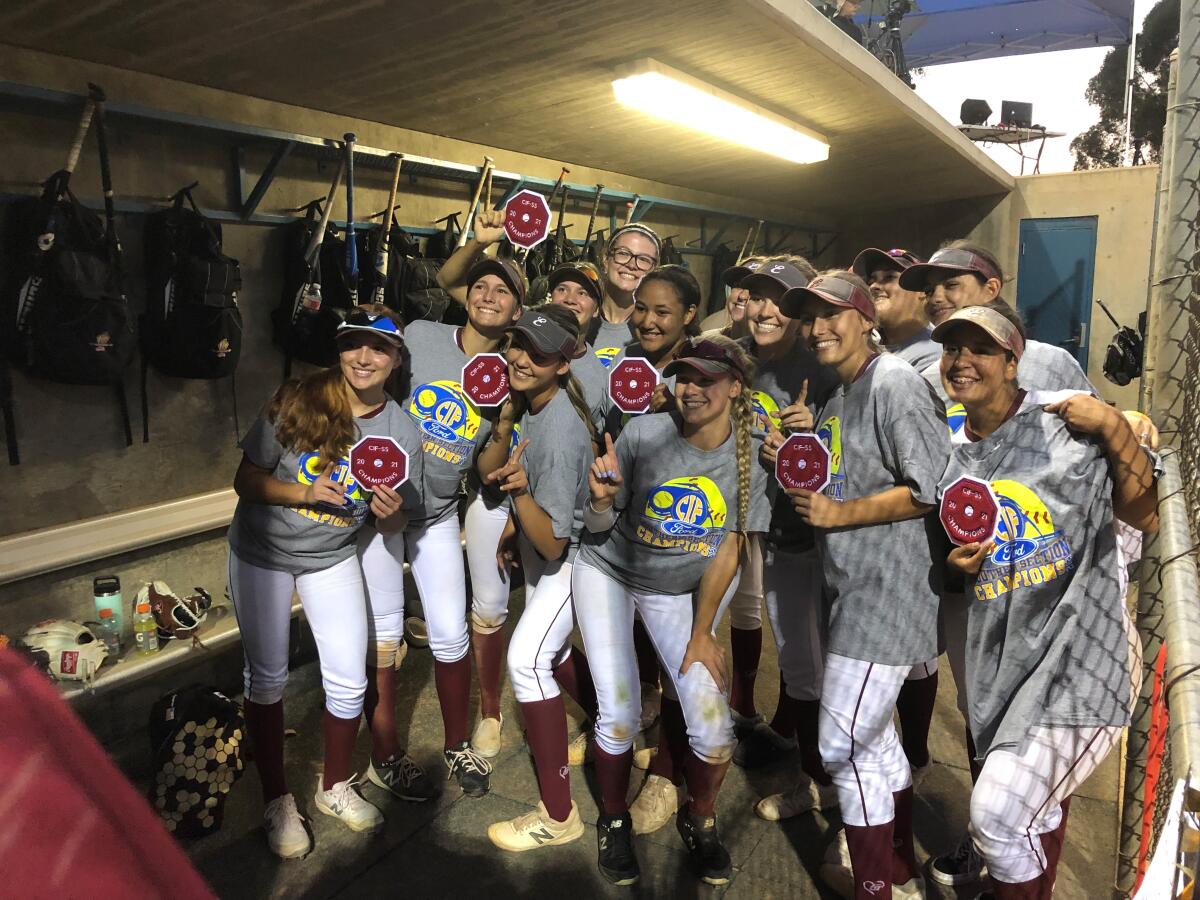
(630, 207)
(110, 229)
(385, 237)
(484, 175)
(351, 243)
(592, 218)
(309, 295)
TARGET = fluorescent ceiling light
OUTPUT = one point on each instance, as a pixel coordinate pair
(669, 94)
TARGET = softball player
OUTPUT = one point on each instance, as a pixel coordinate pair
(545, 479)
(656, 519)
(882, 562)
(294, 527)
(730, 320)
(1051, 661)
(451, 428)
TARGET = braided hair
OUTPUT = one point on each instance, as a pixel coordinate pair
(741, 412)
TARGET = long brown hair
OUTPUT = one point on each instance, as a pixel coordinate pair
(741, 412)
(565, 319)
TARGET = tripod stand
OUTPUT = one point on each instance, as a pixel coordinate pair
(888, 48)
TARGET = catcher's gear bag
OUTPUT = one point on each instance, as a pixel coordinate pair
(175, 616)
(196, 738)
(67, 650)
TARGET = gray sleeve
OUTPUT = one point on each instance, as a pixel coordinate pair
(917, 448)
(412, 491)
(758, 513)
(557, 489)
(627, 451)
(261, 445)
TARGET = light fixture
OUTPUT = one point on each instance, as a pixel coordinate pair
(667, 93)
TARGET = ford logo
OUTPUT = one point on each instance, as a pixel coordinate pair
(439, 431)
(1014, 550)
(676, 528)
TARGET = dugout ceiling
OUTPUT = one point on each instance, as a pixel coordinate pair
(535, 78)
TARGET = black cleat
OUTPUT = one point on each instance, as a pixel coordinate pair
(617, 861)
(700, 836)
(471, 770)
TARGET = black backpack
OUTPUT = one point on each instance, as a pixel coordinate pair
(192, 327)
(64, 314)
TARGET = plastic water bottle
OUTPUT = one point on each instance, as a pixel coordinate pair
(145, 632)
(106, 593)
(109, 634)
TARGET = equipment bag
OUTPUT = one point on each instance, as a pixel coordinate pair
(63, 307)
(192, 327)
(196, 736)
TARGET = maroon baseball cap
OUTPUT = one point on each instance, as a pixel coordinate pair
(734, 274)
(831, 289)
(992, 323)
(506, 270)
(950, 260)
(707, 356)
(774, 276)
(874, 260)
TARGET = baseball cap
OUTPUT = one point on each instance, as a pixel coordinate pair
(547, 336)
(778, 275)
(707, 356)
(950, 260)
(874, 260)
(506, 270)
(582, 273)
(995, 325)
(831, 289)
(734, 274)
(359, 319)
(638, 228)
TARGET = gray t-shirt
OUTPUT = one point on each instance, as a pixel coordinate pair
(882, 581)
(1043, 367)
(556, 462)
(451, 426)
(1046, 638)
(609, 338)
(919, 351)
(301, 539)
(676, 504)
(593, 379)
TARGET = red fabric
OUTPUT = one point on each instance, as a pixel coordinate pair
(672, 742)
(264, 724)
(915, 706)
(904, 856)
(745, 646)
(72, 824)
(379, 707)
(339, 737)
(575, 678)
(784, 720)
(612, 774)
(453, 682)
(703, 782)
(546, 732)
(871, 860)
(489, 666)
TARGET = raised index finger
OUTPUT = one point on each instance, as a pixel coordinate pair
(516, 454)
(803, 398)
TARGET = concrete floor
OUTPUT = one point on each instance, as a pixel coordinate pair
(440, 848)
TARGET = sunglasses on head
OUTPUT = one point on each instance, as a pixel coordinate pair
(711, 351)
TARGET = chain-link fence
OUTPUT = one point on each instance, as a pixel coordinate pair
(1160, 797)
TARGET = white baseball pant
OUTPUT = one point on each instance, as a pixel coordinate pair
(490, 586)
(335, 607)
(604, 609)
(382, 559)
(792, 586)
(542, 638)
(435, 558)
(745, 610)
(1017, 796)
(859, 745)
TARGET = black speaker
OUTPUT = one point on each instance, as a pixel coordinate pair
(974, 112)
(1016, 115)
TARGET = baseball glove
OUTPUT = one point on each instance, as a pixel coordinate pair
(68, 650)
(175, 616)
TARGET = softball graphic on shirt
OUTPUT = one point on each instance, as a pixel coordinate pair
(1029, 550)
(956, 418)
(606, 355)
(830, 433)
(448, 420)
(686, 513)
(766, 410)
(351, 512)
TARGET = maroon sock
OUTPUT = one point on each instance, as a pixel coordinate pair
(703, 782)
(339, 746)
(808, 714)
(575, 677)
(673, 747)
(264, 724)
(1052, 844)
(546, 733)
(915, 706)
(612, 774)
(453, 682)
(904, 856)
(746, 649)
(379, 706)
(647, 659)
(1026, 890)
(871, 860)
(784, 720)
(489, 665)
(972, 763)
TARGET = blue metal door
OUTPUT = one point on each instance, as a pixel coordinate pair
(1055, 264)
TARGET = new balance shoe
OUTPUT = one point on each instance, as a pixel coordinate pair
(344, 803)
(643, 757)
(617, 861)
(655, 806)
(469, 769)
(807, 796)
(703, 842)
(579, 751)
(286, 835)
(536, 829)
(962, 865)
(485, 740)
(762, 746)
(403, 777)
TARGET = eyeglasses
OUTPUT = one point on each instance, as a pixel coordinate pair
(639, 261)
